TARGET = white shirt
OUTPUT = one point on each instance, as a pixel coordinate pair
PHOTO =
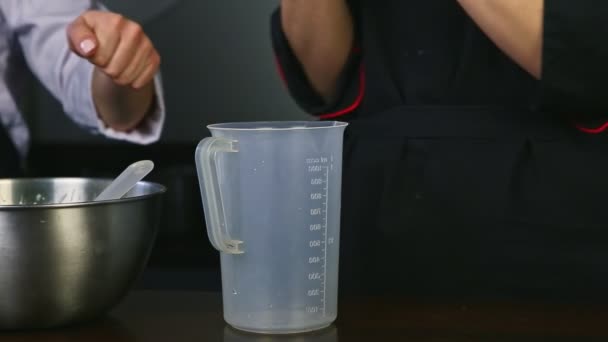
(33, 36)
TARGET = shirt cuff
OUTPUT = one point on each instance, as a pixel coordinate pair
(150, 129)
(147, 132)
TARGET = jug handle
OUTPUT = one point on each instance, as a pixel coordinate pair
(207, 168)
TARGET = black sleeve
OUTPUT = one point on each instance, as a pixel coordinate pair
(575, 59)
(350, 83)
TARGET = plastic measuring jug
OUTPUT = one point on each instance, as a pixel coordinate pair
(271, 195)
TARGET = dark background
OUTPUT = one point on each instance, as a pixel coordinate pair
(217, 66)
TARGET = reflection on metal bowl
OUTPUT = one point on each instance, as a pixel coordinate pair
(65, 259)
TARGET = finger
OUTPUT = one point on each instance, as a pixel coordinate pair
(131, 41)
(149, 72)
(107, 28)
(141, 59)
(138, 63)
(81, 38)
(137, 69)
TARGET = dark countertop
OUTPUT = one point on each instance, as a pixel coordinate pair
(196, 316)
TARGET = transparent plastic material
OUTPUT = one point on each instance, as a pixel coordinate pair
(126, 180)
(271, 195)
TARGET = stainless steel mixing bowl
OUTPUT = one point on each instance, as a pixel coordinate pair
(62, 263)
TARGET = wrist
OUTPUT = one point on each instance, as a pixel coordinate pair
(120, 107)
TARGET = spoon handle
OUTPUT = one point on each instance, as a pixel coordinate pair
(126, 180)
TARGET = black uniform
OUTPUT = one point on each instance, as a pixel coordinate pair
(463, 175)
(10, 162)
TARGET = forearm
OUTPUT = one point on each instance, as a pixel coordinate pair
(321, 33)
(515, 26)
(121, 107)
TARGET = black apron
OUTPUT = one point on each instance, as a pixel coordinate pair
(10, 165)
(492, 202)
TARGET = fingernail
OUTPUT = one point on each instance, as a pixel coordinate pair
(87, 45)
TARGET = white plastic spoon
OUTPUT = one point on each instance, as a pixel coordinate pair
(126, 180)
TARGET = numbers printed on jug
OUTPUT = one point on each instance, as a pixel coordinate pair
(314, 292)
(315, 227)
(315, 168)
(316, 196)
(314, 276)
(315, 243)
(316, 160)
(312, 309)
(314, 260)
(319, 167)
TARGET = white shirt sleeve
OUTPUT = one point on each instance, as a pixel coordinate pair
(39, 26)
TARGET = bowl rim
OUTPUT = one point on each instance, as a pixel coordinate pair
(161, 190)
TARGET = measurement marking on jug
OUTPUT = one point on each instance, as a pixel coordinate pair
(315, 227)
(319, 168)
(314, 260)
(325, 236)
(315, 211)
